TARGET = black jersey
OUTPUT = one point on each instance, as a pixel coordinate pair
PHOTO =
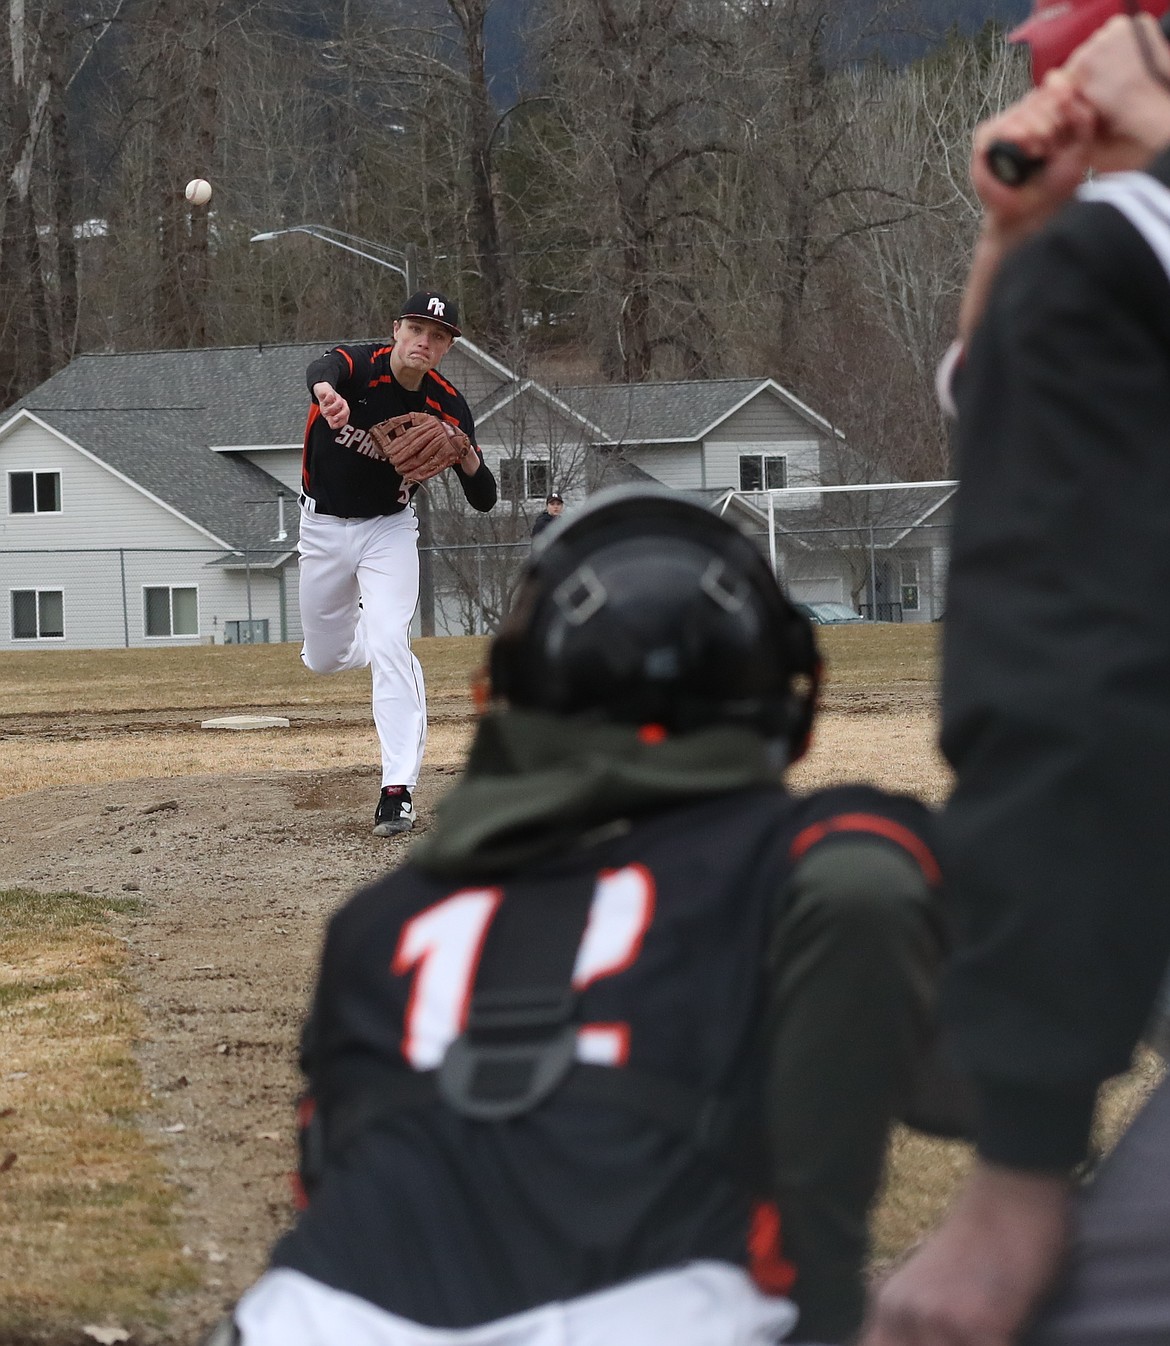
(450, 1221)
(340, 471)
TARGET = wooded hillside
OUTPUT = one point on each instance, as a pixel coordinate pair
(627, 189)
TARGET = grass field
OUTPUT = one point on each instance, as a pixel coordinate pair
(92, 716)
(89, 1226)
(59, 683)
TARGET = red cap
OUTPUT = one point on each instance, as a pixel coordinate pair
(1056, 28)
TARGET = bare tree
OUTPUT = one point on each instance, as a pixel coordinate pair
(25, 353)
(898, 285)
(641, 89)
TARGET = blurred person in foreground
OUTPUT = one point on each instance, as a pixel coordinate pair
(1056, 718)
(612, 1059)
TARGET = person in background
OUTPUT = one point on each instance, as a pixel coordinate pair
(553, 508)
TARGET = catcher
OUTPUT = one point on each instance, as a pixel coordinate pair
(612, 1060)
(383, 421)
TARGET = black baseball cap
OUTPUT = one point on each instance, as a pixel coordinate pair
(548, 499)
(435, 306)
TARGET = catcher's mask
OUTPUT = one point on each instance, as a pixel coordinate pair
(644, 608)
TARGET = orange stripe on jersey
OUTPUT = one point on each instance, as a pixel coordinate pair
(442, 382)
(768, 1267)
(382, 378)
(314, 412)
(871, 824)
(348, 358)
(444, 415)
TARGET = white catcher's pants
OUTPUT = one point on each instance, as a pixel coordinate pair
(701, 1304)
(375, 560)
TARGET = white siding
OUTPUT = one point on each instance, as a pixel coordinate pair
(766, 425)
(534, 429)
(803, 468)
(676, 465)
(103, 595)
(96, 505)
(763, 419)
(827, 589)
(110, 543)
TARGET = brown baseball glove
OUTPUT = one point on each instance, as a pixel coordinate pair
(419, 446)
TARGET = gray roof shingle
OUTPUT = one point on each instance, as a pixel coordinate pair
(154, 415)
(648, 413)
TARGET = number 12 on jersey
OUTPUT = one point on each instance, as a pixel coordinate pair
(441, 946)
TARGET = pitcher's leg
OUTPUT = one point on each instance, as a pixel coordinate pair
(388, 575)
(329, 596)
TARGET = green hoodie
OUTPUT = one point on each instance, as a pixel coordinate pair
(536, 783)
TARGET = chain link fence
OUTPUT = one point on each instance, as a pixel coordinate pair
(879, 550)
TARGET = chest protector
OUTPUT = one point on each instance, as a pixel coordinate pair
(627, 975)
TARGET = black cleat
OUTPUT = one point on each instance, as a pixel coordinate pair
(395, 811)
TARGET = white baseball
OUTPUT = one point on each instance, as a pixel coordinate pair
(199, 191)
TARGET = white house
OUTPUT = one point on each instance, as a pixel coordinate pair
(881, 552)
(150, 498)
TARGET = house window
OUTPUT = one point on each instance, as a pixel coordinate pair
(524, 478)
(763, 472)
(38, 614)
(170, 611)
(536, 478)
(511, 470)
(34, 492)
(909, 586)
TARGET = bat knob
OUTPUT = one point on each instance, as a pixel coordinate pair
(1010, 165)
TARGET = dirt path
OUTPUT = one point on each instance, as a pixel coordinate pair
(238, 875)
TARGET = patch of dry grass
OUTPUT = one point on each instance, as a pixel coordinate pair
(878, 655)
(212, 678)
(170, 753)
(88, 1227)
(226, 677)
(63, 686)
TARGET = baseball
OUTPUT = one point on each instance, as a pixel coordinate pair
(199, 191)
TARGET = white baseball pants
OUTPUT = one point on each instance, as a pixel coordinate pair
(376, 561)
(702, 1304)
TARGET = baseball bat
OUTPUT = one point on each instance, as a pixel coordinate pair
(1011, 165)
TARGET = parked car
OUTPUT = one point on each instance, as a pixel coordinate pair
(829, 614)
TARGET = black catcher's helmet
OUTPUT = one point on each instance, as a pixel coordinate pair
(644, 608)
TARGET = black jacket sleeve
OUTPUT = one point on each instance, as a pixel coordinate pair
(1056, 685)
(339, 367)
(479, 490)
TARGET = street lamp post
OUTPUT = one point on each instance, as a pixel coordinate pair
(339, 239)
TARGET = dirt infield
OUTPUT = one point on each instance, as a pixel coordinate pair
(237, 873)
